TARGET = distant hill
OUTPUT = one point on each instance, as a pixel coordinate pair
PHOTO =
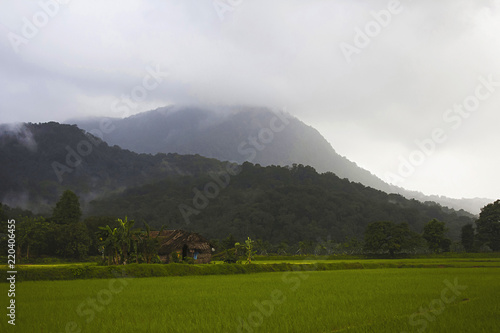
(229, 134)
(39, 161)
(274, 204)
(240, 134)
(472, 205)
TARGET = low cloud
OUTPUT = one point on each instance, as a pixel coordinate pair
(372, 109)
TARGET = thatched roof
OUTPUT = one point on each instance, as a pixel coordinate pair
(174, 240)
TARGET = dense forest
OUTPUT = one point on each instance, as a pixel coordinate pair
(245, 134)
(225, 133)
(292, 207)
(272, 203)
(38, 162)
(64, 234)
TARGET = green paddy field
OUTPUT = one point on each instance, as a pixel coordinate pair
(434, 295)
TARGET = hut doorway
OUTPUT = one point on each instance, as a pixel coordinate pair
(184, 251)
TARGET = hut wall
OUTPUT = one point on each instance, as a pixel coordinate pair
(185, 244)
(204, 258)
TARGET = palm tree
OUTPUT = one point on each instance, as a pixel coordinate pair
(250, 251)
(109, 241)
(124, 238)
(117, 242)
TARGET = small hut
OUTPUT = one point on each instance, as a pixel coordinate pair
(185, 244)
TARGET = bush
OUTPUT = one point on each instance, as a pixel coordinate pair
(175, 257)
(81, 271)
(94, 271)
(188, 260)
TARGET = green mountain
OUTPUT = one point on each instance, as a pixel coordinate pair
(240, 134)
(39, 161)
(272, 203)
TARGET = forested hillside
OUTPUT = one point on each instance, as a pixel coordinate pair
(245, 134)
(274, 204)
(39, 161)
(240, 134)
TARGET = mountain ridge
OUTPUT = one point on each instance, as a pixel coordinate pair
(274, 204)
(39, 161)
(245, 134)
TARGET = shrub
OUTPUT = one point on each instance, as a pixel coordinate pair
(188, 260)
(175, 257)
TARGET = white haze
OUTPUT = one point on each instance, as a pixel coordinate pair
(281, 53)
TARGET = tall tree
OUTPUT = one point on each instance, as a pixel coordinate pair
(488, 225)
(125, 236)
(3, 215)
(249, 247)
(467, 237)
(93, 223)
(32, 237)
(434, 232)
(228, 243)
(109, 243)
(72, 240)
(389, 237)
(149, 245)
(67, 210)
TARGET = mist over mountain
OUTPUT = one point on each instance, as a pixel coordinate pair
(39, 161)
(257, 135)
(240, 134)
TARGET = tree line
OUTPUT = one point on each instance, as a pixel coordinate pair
(119, 241)
(65, 235)
(392, 238)
(385, 237)
(275, 204)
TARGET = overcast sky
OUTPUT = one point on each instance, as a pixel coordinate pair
(372, 76)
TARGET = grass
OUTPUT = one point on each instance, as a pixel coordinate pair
(75, 271)
(92, 271)
(375, 300)
(443, 255)
(451, 262)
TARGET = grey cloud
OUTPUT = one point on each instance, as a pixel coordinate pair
(276, 53)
